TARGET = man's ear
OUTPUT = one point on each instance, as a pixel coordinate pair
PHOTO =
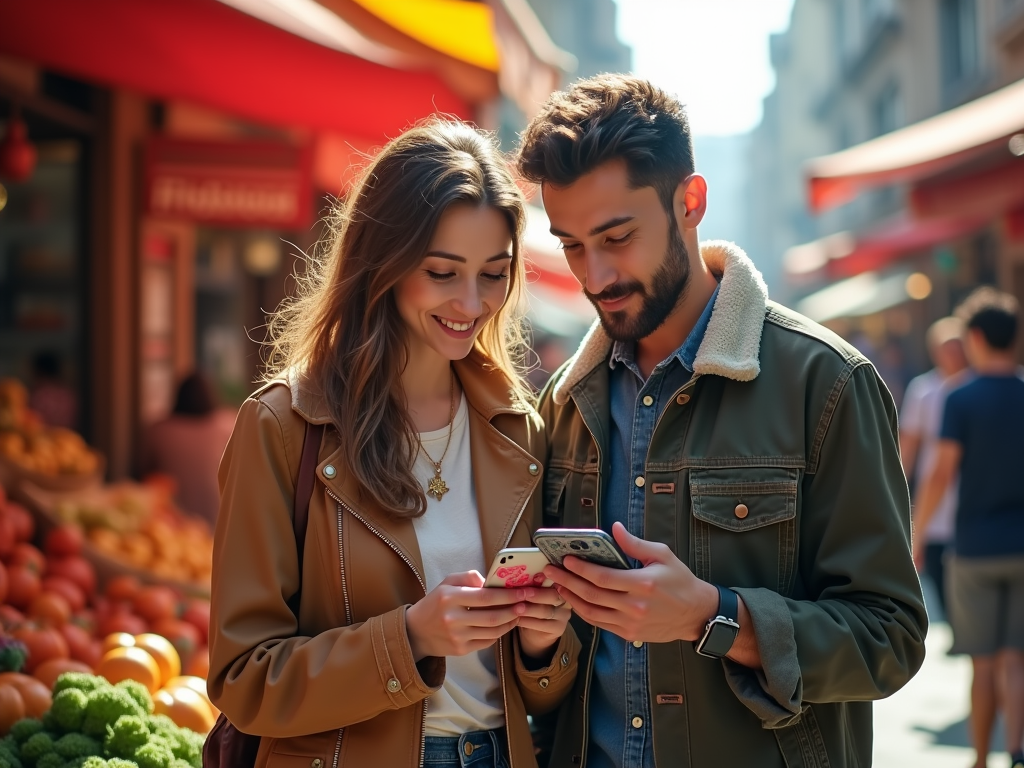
(690, 201)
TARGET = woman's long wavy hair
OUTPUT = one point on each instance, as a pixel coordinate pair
(343, 331)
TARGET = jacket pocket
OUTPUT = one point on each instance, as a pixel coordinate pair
(744, 521)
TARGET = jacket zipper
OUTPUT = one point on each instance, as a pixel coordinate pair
(423, 586)
(597, 632)
(348, 617)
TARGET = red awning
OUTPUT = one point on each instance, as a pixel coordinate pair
(978, 193)
(896, 238)
(922, 149)
(206, 52)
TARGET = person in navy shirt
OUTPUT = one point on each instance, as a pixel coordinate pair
(982, 437)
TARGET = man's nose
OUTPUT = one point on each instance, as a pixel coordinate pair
(599, 272)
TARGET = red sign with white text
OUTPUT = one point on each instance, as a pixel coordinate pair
(245, 183)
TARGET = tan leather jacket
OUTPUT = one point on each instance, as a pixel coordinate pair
(340, 687)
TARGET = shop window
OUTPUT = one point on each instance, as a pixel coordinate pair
(959, 37)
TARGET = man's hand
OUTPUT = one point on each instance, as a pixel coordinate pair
(658, 603)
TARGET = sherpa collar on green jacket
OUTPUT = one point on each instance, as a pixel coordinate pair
(732, 343)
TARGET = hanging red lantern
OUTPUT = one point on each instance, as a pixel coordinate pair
(17, 155)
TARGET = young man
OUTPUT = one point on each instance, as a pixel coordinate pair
(743, 457)
(982, 438)
(920, 421)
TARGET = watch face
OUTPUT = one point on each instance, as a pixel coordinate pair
(719, 639)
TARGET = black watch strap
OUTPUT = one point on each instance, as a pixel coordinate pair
(728, 603)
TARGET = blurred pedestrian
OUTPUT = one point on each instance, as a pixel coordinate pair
(187, 446)
(920, 421)
(49, 394)
(982, 438)
(743, 457)
(402, 344)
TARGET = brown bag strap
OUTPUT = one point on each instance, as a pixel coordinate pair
(303, 494)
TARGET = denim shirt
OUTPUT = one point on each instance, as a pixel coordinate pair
(620, 707)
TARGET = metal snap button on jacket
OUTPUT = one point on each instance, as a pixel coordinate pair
(648, 400)
(640, 481)
(468, 748)
(565, 659)
(741, 511)
(317, 763)
(682, 399)
(543, 682)
(638, 644)
(638, 722)
(330, 471)
(534, 469)
(394, 686)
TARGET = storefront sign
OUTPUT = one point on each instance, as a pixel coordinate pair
(248, 184)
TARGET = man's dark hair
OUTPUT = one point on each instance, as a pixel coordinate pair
(993, 313)
(195, 396)
(604, 118)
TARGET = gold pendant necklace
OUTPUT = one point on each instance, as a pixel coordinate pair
(437, 487)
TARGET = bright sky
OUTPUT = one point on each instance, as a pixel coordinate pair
(713, 54)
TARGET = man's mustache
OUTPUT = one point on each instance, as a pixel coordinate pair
(615, 291)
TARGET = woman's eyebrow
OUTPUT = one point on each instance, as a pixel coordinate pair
(462, 260)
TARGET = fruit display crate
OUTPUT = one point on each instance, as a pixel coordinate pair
(13, 476)
(42, 504)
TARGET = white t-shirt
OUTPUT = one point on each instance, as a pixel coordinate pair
(450, 542)
(923, 407)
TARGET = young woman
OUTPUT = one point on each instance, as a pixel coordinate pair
(402, 340)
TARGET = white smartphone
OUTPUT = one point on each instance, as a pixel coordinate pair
(518, 567)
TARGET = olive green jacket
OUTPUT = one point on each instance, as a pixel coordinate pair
(787, 419)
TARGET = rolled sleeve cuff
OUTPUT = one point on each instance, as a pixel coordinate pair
(403, 679)
(547, 685)
(775, 692)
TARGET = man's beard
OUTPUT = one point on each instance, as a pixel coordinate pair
(666, 291)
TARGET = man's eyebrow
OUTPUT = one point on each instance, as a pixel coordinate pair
(462, 260)
(610, 224)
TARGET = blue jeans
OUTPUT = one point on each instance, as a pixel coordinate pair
(476, 749)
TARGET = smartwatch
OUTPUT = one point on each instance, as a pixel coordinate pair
(721, 630)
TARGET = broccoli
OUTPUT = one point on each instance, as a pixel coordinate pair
(25, 729)
(117, 762)
(104, 707)
(68, 710)
(9, 755)
(50, 760)
(161, 725)
(77, 745)
(12, 654)
(189, 747)
(82, 681)
(153, 755)
(95, 762)
(139, 692)
(126, 735)
(37, 746)
(179, 763)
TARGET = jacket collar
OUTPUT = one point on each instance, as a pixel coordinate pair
(732, 342)
(488, 390)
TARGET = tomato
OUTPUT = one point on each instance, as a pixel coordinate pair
(12, 707)
(197, 613)
(123, 587)
(24, 523)
(50, 609)
(80, 644)
(156, 603)
(66, 589)
(7, 536)
(121, 622)
(34, 695)
(27, 555)
(76, 569)
(64, 541)
(3, 583)
(199, 664)
(183, 636)
(86, 620)
(10, 617)
(43, 643)
(48, 672)
(22, 586)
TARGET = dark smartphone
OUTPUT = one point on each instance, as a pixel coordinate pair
(590, 544)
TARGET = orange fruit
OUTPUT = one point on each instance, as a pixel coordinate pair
(166, 656)
(197, 684)
(117, 640)
(185, 707)
(130, 664)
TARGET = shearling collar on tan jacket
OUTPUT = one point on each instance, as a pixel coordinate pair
(339, 687)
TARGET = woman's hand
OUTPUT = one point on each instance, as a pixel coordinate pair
(460, 616)
(542, 622)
